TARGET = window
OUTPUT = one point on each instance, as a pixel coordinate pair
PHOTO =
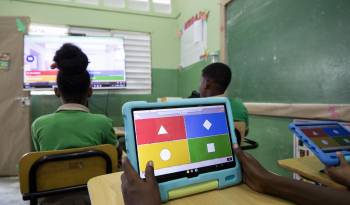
(114, 3)
(162, 6)
(139, 5)
(138, 61)
(137, 47)
(89, 2)
(154, 7)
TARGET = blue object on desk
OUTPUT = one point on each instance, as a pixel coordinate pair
(324, 140)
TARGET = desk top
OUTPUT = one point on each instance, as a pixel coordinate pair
(106, 190)
(309, 167)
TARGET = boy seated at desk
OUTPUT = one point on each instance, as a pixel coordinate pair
(72, 125)
(215, 79)
(146, 192)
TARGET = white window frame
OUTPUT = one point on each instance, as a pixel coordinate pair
(137, 46)
(162, 6)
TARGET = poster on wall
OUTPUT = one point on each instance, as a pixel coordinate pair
(4, 61)
(194, 39)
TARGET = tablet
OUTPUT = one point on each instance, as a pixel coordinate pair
(324, 139)
(189, 141)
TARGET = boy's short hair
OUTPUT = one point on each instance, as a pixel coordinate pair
(219, 73)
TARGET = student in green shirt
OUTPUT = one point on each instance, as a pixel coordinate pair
(216, 78)
(72, 125)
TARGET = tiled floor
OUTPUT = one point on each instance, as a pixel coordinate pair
(9, 192)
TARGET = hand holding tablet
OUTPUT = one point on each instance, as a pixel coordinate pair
(189, 141)
(147, 190)
(341, 173)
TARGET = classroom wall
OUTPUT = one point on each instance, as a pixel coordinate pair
(164, 45)
(166, 79)
(189, 77)
(188, 8)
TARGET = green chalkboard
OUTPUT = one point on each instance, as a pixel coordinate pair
(292, 51)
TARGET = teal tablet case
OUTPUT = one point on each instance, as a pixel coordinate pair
(183, 186)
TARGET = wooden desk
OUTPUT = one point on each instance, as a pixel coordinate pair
(106, 190)
(309, 168)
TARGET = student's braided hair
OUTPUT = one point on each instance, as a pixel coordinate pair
(73, 79)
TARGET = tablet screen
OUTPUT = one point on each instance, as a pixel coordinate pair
(183, 141)
(329, 138)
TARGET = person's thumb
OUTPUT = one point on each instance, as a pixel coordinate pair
(149, 173)
(341, 158)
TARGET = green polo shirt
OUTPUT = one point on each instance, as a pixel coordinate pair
(239, 111)
(71, 126)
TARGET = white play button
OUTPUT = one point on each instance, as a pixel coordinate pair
(165, 154)
(162, 131)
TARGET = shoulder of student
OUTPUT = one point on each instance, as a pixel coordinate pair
(236, 102)
(42, 119)
(102, 119)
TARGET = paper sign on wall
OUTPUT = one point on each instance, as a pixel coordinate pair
(4, 61)
(194, 39)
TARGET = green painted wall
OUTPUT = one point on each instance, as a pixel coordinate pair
(275, 141)
(189, 78)
(165, 44)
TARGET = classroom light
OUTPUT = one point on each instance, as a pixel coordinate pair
(47, 30)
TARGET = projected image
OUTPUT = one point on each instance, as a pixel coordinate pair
(106, 56)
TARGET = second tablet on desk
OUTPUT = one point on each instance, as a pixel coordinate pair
(324, 140)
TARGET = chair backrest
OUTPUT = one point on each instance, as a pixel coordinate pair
(59, 169)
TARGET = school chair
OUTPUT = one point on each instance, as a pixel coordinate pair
(243, 141)
(52, 172)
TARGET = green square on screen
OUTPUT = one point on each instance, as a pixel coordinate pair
(207, 148)
(343, 141)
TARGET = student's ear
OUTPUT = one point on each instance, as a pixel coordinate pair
(89, 93)
(208, 84)
(57, 92)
